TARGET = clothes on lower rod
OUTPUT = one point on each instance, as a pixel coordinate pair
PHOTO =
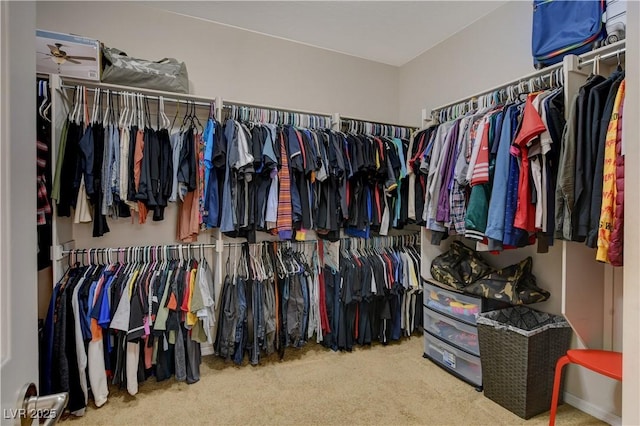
(373, 296)
(266, 306)
(123, 323)
(280, 179)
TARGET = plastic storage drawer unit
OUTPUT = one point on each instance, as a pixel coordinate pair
(459, 334)
(461, 364)
(459, 306)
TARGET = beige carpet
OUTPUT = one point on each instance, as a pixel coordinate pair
(380, 385)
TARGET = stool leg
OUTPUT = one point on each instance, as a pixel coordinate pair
(557, 379)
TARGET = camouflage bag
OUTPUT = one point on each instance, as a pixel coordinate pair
(514, 284)
(459, 266)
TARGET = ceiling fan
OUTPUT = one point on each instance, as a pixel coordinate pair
(59, 56)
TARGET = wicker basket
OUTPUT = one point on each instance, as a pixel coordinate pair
(519, 348)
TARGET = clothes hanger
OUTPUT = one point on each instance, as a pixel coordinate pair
(74, 106)
(46, 102)
(619, 64)
(159, 121)
(43, 91)
(96, 94)
(99, 109)
(147, 112)
(139, 118)
(134, 110)
(105, 119)
(161, 116)
(74, 109)
(173, 123)
(98, 105)
(115, 108)
(185, 119)
(135, 97)
(79, 113)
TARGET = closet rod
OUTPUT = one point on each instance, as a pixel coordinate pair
(603, 57)
(359, 120)
(268, 242)
(121, 88)
(125, 249)
(603, 50)
(154, 97)
(178, 246)
(385, 239)
(543, 73)
(230, 104)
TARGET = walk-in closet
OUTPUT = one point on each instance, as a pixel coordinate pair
(306, 213)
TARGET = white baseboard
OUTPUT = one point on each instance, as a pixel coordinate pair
(592, 410)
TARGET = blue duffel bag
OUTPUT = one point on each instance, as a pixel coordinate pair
(563, 27)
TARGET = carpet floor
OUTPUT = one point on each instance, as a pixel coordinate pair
(378, 385)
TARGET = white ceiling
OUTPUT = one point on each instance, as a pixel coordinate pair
(391, 32)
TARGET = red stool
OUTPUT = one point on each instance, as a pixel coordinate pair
(607, 363)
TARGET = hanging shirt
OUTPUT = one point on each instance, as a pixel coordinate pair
(497, 203)
(285, 215)
(531, 127)
(176, 147)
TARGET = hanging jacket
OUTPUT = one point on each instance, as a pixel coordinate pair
(556, 123)
(565, 183)
(616, 246)
(596, 198)
(608, 209)
(587, 156)
(165, 179)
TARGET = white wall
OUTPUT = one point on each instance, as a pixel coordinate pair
(18, 242)
(489, 52)
(494, 49)
(235, 64)
(222, 61)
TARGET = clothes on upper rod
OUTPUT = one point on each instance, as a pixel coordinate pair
(280, 179)
(510, 174)
(591, 175)
(490, 175)
(121, 323)
(287, 180)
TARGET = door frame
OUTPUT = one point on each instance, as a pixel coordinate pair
(18, 241)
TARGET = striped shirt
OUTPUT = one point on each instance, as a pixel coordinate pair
(285, 216)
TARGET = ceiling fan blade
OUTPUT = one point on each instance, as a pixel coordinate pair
(73, 61)
(83, 58)
(52, 48)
